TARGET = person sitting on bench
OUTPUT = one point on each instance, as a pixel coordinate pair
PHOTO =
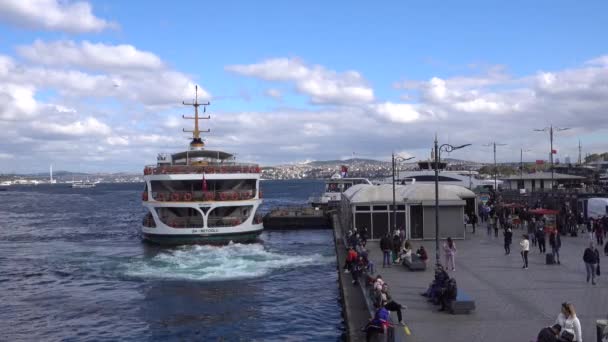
(406, 253)
(421, 254)
(377, 325)
(385, 299)
(351, 258)
(448, 294)
(434, 290)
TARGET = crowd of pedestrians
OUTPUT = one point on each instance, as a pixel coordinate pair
(536, 233)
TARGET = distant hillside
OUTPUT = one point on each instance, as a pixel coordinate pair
(347, 162)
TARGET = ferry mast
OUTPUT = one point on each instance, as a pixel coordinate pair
(197, 143)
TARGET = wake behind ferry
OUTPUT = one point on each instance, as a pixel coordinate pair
(200, 195)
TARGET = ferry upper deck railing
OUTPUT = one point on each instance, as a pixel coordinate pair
(201, 196)
(213, 168)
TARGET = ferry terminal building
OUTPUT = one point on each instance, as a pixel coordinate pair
(371, 206)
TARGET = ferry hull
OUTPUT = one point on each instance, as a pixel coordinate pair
(190, 239)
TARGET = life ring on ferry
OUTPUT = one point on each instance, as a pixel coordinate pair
(144, 196)
(209, 196)
(175, 197)
(235, 196)
(223, 196)
(188, 196)
(160, 197)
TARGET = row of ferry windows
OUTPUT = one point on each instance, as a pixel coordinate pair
(200, 185)
(378, 207)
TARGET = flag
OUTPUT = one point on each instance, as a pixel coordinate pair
(554, 151)
(204, 183)
(540, 161)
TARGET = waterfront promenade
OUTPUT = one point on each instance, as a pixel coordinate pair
(513, 304)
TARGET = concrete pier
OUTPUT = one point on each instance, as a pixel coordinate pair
(354, 308)
(513, 304)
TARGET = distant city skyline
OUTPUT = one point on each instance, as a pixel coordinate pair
(88, 86)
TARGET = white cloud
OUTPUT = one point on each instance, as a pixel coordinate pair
(55, 15)
(117, 141)
(150, 87)
(17, 102)
(397, 112)
(600, 61)
(89, 55)
(461, 109)
(85, 128)
(317, 82)
(274, 93)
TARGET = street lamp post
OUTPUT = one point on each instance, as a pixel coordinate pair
(494, 144)
(447, 148)
(395, 159)
(551, 129)
(521, 165)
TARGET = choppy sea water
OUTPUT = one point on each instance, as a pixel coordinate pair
(73, 268)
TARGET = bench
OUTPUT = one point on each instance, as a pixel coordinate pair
(415, 264)
(463, 304)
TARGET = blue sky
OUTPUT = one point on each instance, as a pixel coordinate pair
(297, 81)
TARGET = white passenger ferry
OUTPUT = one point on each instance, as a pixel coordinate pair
(201, 196)
(334, 187)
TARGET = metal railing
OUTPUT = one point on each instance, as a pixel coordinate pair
(211, 169)
(202, 196)
(229, 221)
(183, 222)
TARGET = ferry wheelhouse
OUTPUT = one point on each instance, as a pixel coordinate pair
(335, 187)
(201, 196)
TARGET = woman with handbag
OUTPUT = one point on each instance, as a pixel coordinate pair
(571, 326)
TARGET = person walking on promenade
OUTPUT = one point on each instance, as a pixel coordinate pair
(386, 247)
(496, 222)
(473, 220)
(581, 223)
(364, 236)
(599, 233)
(508, 240)
(532, 230)
(449, 249)
(569, 322)
(525, 248)
(555, 241)
(540, 239)
(591, 257)
(489, 225)
(396, 244)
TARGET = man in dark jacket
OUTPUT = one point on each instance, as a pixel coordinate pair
(549, 334)
(555, 241)
(591, 257)
(473, 220)
(540, 238)
(448, 294)
(508, 240)
(386, 245)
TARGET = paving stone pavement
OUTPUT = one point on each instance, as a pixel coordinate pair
(513, 304)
